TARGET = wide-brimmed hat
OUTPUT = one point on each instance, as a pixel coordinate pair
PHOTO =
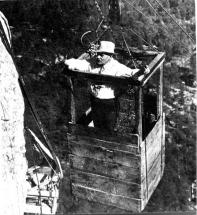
(106, 47)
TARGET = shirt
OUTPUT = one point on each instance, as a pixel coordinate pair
(112, 67)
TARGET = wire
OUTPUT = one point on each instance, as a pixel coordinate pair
(38, 122)
(149, 44)
(175, 21)
(132, 5)
(164, 25)
(152, 8)
(128, 49)
(41, 150)
(143, 39)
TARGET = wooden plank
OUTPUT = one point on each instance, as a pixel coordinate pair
(150, 163)
(154, 174)
(156, 131)
(36, 209)
(132, 148)
(118, 80)
(104, 154)
(80, 130)
(163, 145)
(113, 170)
(95, 195)
(106, 184)
(153, 66)
(42, 193)
(153, 146)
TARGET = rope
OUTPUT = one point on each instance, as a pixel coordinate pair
(132, 5)
(128, 49)
(38, 122)
(22, 85)
(149, 44)
(165, 27)
(40, 149)
(152, 7)
(175, 21)
(103, 18)
(99, 10)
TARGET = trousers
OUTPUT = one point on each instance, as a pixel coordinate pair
(104, 113)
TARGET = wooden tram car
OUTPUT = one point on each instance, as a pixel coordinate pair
(123, 168)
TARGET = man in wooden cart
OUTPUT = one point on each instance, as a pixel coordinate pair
(104, 103)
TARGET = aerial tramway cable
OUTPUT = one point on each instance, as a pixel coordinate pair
(163, 26)
(109, 27)
(175, 21)
(128, 50)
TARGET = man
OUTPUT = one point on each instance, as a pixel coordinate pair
(104, 103)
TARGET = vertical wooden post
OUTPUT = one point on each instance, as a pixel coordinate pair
(72, 102)
(140, 103)
(162, 116)
(140, 113)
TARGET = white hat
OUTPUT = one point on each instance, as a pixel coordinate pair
(106, 47)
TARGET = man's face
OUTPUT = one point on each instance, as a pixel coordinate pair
(102, 58)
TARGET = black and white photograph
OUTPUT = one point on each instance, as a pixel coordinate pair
(98, 107)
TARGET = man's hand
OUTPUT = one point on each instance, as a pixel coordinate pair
(146, 69)
(130, 73)
(77, 65)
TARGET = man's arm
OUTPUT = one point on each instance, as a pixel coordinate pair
(125, 71)
(122, 70)
(78, 65)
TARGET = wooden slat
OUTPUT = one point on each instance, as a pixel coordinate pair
(42, 193)
(76, 129)
(103, 143)
(118, 80)
(163, 144)
(95, 195)
(153, 146)
(106, 184)
(153, 66)
(113, 170)
(36, 209)
(104, 154)
(154, 175)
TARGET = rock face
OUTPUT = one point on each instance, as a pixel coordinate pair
(13, 165)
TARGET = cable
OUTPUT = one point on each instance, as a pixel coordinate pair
(175, 21)
(150, 5)
(132, 5)
(40, 149)
(128, 49)
(142, 39)
(38, 122)
(135, 32)
(164, 26)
